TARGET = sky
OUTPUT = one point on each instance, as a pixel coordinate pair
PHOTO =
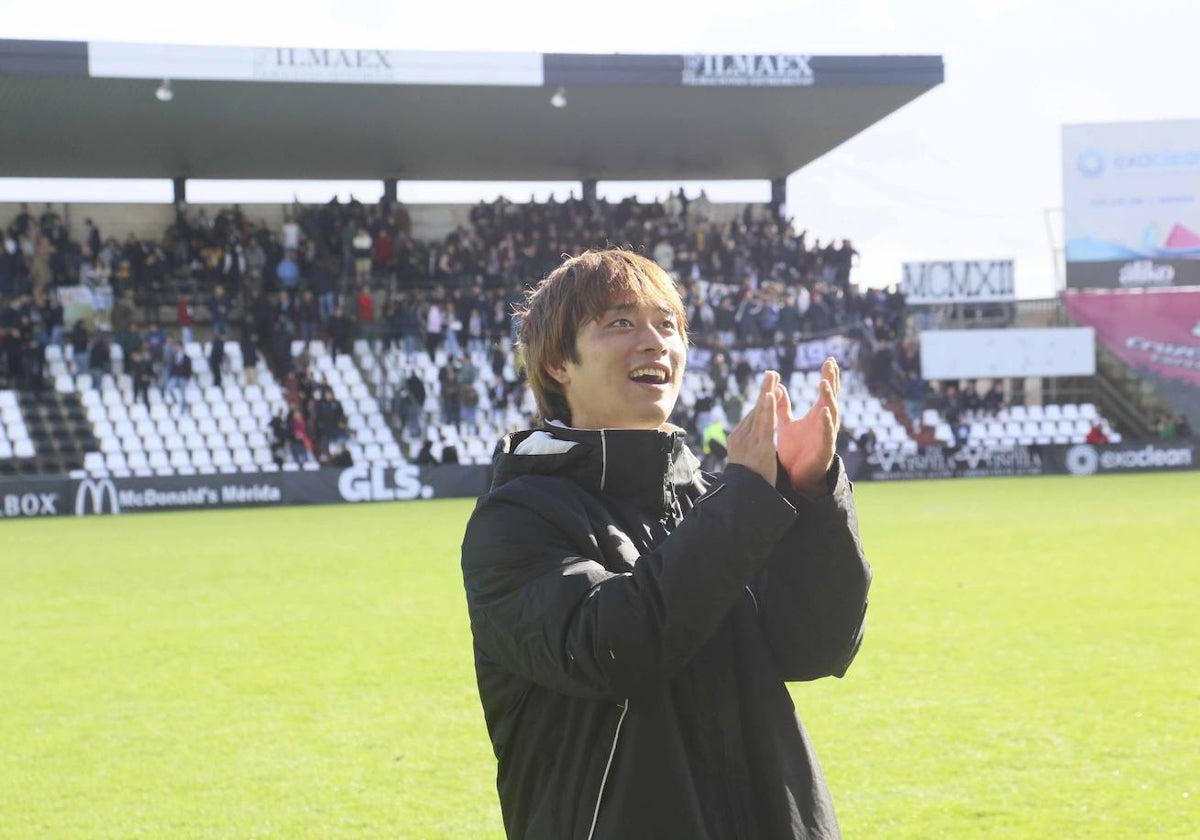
(970, 170)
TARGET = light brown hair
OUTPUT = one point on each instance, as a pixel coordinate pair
(580, 290)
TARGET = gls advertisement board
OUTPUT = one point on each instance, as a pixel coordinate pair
(1131, 204)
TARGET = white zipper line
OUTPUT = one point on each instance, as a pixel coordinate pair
(608, 766)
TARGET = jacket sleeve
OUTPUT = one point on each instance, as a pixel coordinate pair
(543, 607)
(812, 593)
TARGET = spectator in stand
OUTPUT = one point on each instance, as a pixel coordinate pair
(301, 443)
(383, 257)
(1164, 426)
(221, 308)
(288, 272)
(366, 315)
(971, 402)
(451, 389)
(362, 247)
(435, 325)
(34, 364)
(340, 331)
(52, 317)
(1183, 429)
(184, 319)
(950, 403)
(1096, 435)
(308, 316)
(216, 359)
(915, 389)
(994, 400)
(408, 405)
(249, 347)
(324, 286)
(99, 359)
(79, 346)
(179, 376)
(291, 234)
(141, 369)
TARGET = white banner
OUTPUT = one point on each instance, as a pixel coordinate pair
(307, 64)
(971, 354)
(961, 281)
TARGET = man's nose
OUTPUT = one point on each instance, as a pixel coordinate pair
(653, 339)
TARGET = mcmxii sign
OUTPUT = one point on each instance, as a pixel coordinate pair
(963, 281)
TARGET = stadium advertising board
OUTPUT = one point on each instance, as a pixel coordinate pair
(382, 483)
(1086, 459)
(962, 281)
(120, 496)
(117, 496)
(978, 462)
(1156, 333)
(29, 498)
(1131, 204)
(937, 462)
(969, 354)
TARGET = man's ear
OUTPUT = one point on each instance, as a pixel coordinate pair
(558, 373)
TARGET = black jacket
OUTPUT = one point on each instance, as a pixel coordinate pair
(634, 624)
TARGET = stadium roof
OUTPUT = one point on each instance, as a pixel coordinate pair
(75, 109)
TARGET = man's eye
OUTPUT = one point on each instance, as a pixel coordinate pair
(621, 322)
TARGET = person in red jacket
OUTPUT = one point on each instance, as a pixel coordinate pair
(366, 314)
(184, 318)
(1096, 434)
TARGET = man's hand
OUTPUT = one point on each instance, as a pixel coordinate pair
(752, 443)
(806, 444)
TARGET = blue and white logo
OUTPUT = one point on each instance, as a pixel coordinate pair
(1090, 162)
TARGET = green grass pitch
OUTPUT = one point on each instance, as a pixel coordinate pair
(1029, 670)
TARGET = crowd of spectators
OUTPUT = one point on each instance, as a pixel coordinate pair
(346, 270)
(313, 427)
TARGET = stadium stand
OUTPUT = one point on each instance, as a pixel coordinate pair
(403, 320)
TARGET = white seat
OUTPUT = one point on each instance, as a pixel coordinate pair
(243, 457)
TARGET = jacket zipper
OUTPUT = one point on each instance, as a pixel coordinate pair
(604, 780)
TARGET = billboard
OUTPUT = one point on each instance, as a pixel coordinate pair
(970, 354)
(961, 281)
(1156, 333)
(1131, 204)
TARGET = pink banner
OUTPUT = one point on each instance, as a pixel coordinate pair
(1155, 333)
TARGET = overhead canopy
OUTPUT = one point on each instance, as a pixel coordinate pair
(74, 109)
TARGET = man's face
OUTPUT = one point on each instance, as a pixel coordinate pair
(631, 362)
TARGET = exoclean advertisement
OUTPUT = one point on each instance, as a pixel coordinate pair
(1131, 204)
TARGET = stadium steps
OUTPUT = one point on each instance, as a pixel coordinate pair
(60, 432)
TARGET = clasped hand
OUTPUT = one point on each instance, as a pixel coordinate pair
(804, 445)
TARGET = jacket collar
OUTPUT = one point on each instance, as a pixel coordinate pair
(646, 466)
